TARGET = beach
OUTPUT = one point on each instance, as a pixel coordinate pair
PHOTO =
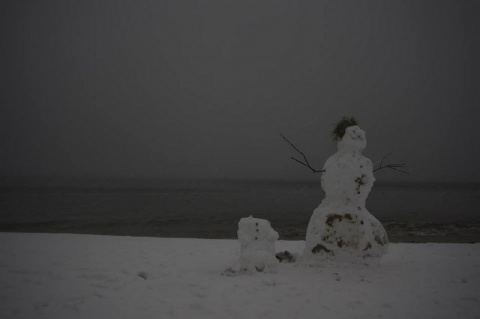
(91, 276)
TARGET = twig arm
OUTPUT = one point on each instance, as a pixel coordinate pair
(401, 168)
(306, 163)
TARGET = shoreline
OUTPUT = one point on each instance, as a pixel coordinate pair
(394, 239)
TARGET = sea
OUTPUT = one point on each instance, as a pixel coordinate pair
(196, 208)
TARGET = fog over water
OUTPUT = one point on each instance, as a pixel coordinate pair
(203, 89)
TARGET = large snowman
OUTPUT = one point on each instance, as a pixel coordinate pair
(341, 227)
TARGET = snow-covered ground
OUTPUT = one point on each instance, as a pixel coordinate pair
(86, 276)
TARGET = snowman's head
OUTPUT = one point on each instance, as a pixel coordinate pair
(255, 230)
(353, 140)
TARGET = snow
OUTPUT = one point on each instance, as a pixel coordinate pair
(87, 276)
(257, 247)
(341, 227)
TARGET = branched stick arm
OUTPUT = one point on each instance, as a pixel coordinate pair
(396, 167)
(306, 163)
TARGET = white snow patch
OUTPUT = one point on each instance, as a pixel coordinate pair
(85, 276)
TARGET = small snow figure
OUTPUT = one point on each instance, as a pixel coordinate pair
(341, 227)
(257, 239)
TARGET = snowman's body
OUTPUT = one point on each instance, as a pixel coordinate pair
(341, 227)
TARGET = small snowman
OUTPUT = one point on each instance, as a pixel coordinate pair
(341, 227)
(257, 243)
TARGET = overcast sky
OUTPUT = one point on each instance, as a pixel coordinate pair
(204, 88)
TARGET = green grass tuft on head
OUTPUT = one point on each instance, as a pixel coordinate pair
(341, 126)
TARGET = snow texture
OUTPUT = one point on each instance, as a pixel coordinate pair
(257, 241)
(86, 276)
(341, 228)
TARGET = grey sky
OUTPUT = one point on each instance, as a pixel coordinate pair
(204, 88)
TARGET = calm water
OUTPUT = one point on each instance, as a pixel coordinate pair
(211, 209)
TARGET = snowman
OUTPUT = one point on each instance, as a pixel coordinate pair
(257, 247)
(341, 228)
